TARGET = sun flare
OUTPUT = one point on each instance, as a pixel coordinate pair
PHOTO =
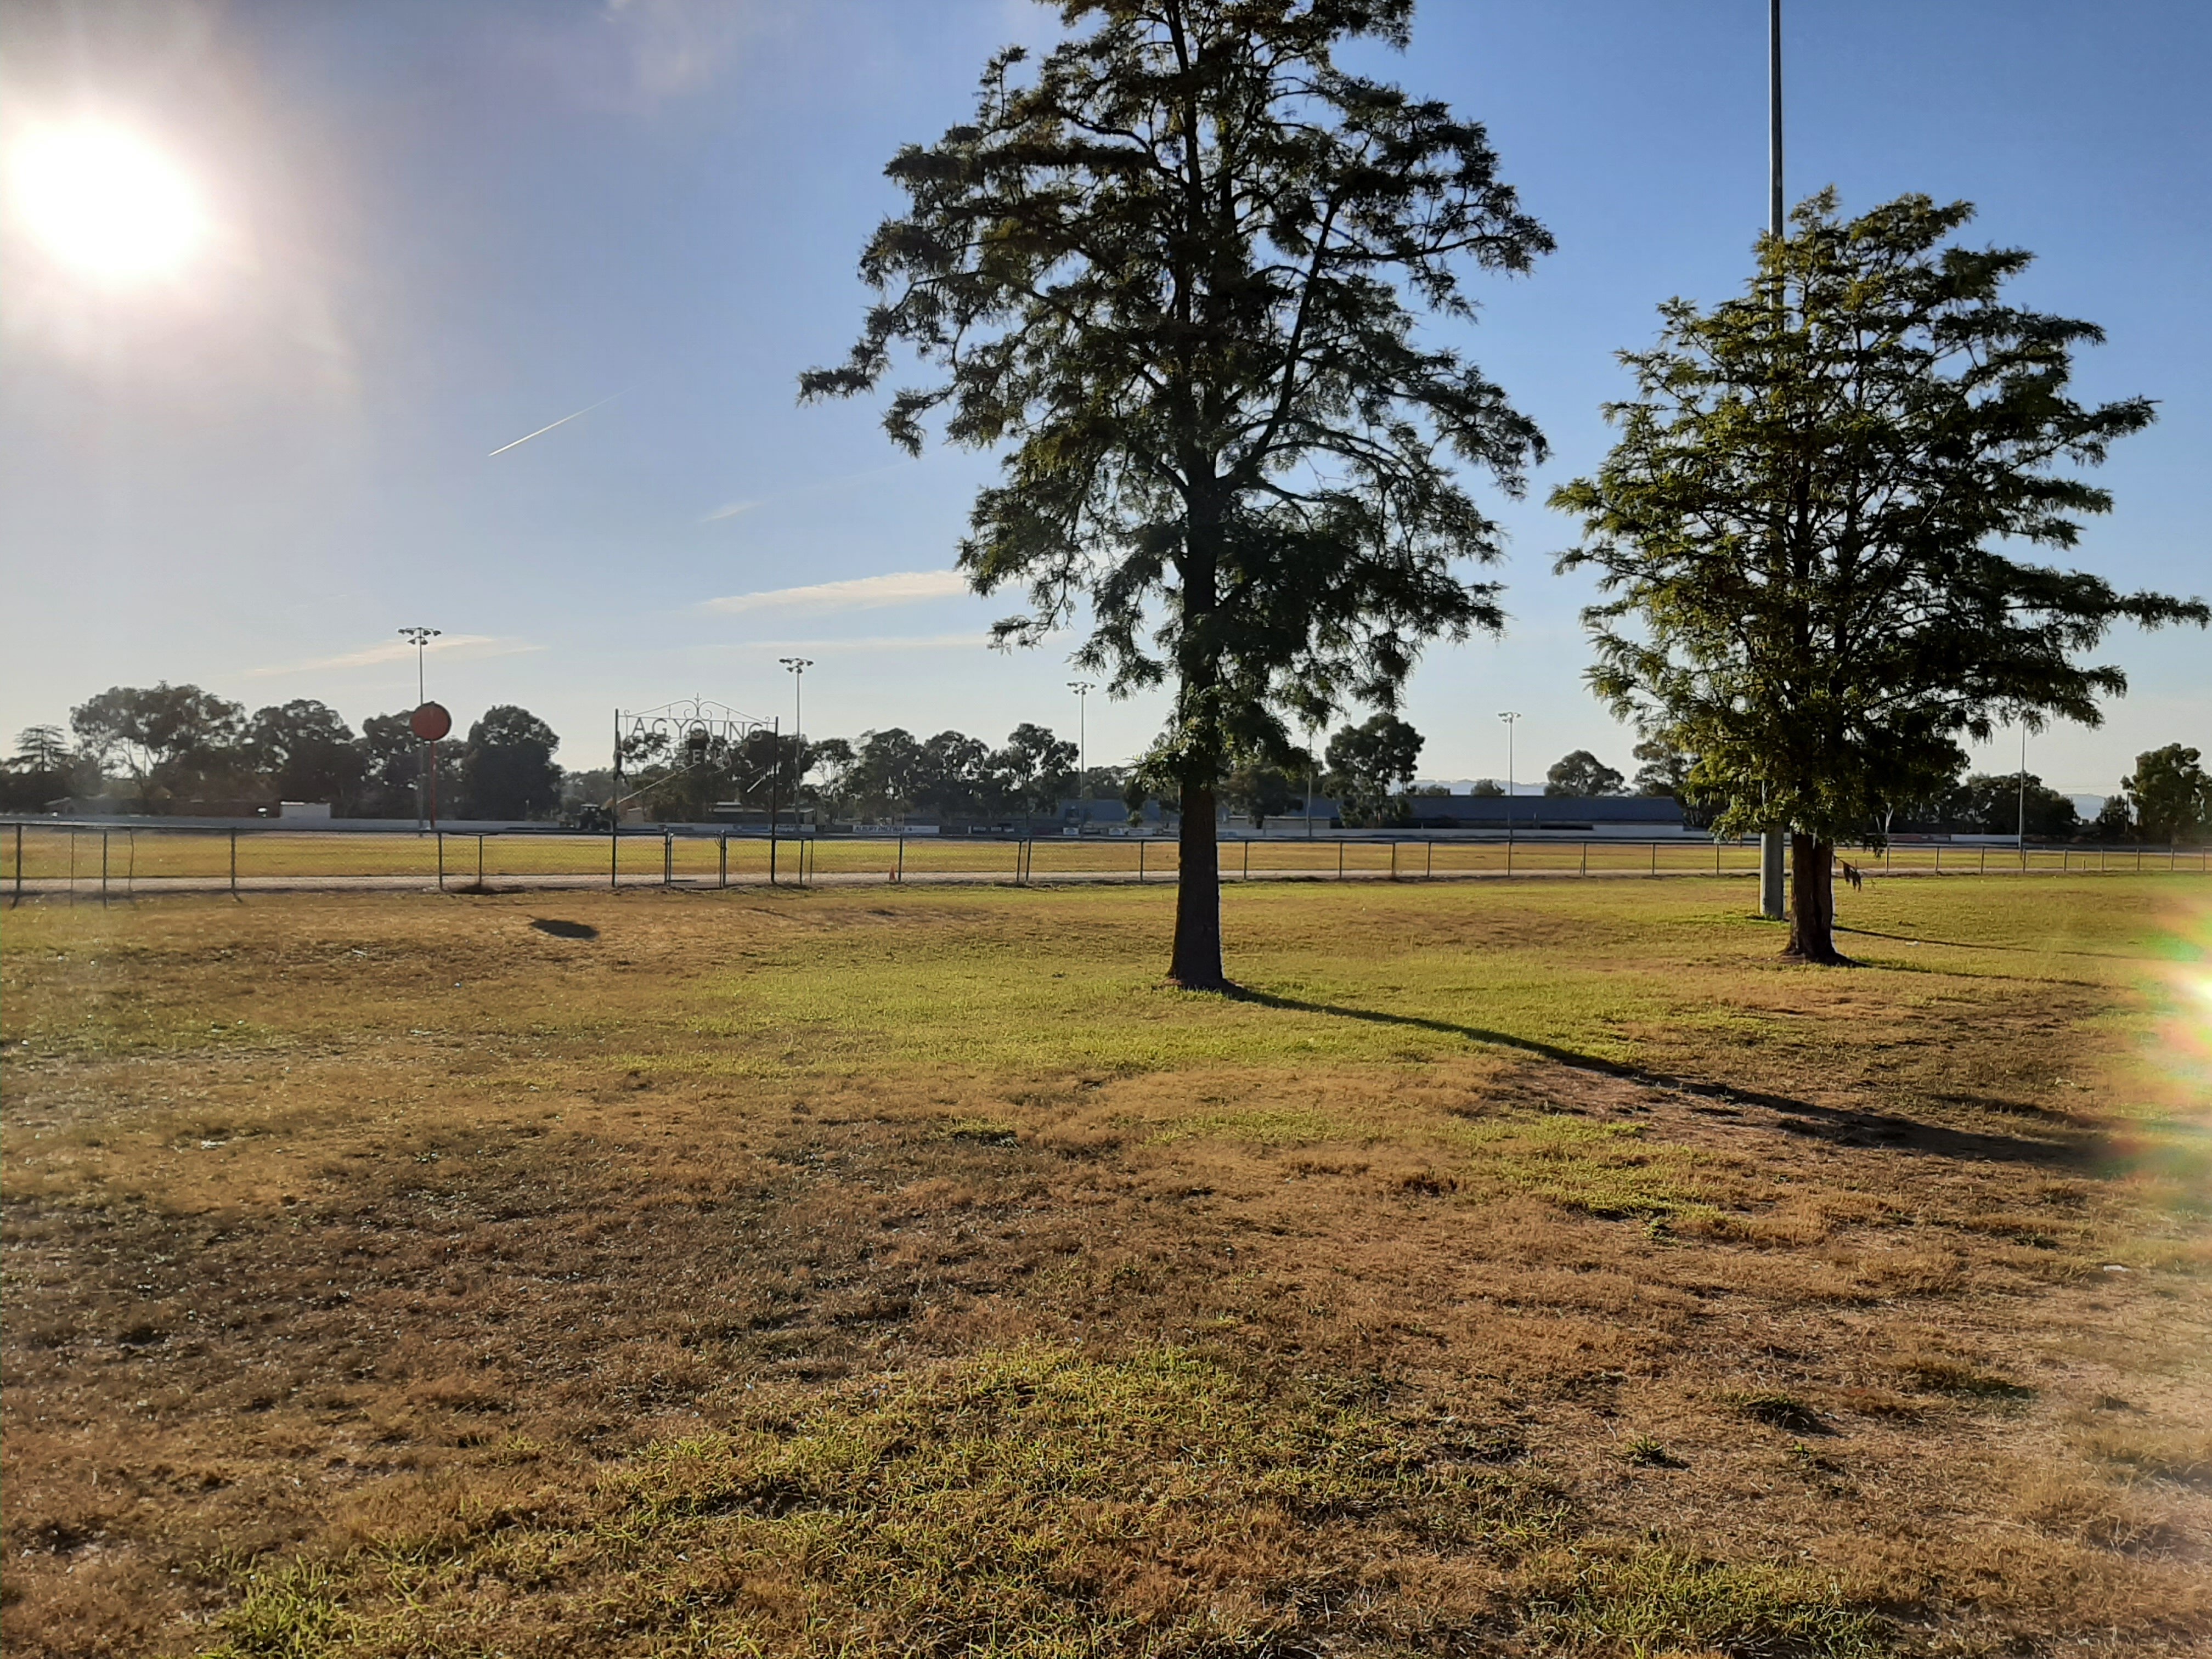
(106, 203)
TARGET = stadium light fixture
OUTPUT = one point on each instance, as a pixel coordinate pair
(1083, 689)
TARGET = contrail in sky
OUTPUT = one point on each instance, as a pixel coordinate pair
(563, 421)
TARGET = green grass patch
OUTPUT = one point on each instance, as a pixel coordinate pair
(1027, 1503)
(1661, 1604)
(1601, 1168)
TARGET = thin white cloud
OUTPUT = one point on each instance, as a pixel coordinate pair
(469, 645)
(860, 593)
(729, 512)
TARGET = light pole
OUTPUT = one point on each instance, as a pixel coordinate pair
(1083, 689)
(1770, 876)
(2022, 836)
(420, 639)
(1509, 716)
(798, 665)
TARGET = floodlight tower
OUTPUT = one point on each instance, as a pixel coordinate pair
(798, 665)
(420, 638)
(1509, 716)
(1083, 689)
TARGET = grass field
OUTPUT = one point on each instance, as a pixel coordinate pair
(1522, 1268)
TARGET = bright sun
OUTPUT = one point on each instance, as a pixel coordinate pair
(106, 203)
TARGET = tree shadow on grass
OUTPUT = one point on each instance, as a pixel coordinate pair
(1847, 1127)
(2019, 949)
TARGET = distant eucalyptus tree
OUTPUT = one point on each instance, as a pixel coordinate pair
(1800, 530)
(1175, 271)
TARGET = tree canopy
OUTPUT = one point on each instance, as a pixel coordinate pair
(172, 740)
(1172, 272)
(1581, 772)
(1806, 530)
(2168, 794)
(1370, 764)
(306, 749)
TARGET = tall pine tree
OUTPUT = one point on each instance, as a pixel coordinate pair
(1803, 531)
(1174, 272)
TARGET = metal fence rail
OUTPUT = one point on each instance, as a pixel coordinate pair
(46, 857)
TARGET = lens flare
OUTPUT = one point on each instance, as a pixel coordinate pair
(106, 203)
(2181, 1040)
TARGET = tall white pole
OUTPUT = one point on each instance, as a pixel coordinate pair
(420, 638)
(1082, 690)
(1509, 716)
(1772, 903)
(2023, 789)
(798, 665)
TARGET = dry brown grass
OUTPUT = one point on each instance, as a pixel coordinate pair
(393, 1275)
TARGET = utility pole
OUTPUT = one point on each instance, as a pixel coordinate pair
(1083, 689)
(1771, 885)
(1509, 716)
(420, 638)
(2023, 790)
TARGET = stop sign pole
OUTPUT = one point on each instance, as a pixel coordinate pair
(430, 723)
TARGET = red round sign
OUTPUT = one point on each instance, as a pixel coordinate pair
(431, 722)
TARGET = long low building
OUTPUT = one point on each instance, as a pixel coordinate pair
(1617, 815)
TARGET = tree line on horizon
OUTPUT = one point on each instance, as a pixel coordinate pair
(180, 749)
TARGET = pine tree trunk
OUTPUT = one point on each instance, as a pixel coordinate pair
(1196, 962)
(1812, 901)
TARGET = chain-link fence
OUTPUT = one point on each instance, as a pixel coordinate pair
(44, 857)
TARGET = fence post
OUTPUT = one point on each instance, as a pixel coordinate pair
(724, 877)
(1393, 860)
(233, 865)
(667, 857)
(1140, 860)
(1985, 861)
(1939, 858)
(1429, 866)
(899, 875)
(614, 858)
(1585, 870)
(1339, 857)
(19, 864)
(103, 868)
(1655, 858)
(1248, 858)
(441, 856)
(480, 840)
(130, 863)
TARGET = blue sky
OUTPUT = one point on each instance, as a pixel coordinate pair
(435, 228)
